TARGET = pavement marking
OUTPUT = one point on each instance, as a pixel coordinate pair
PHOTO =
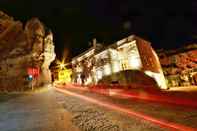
(161, 122)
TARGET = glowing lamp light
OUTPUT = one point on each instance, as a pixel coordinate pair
(30, 77)
(62, 65)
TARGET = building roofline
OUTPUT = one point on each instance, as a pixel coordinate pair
(111, 46)
(81, 54)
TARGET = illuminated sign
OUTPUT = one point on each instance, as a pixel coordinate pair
(32, 71)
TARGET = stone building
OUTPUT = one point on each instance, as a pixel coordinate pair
(22, 49)
(180, 65)
(82, 65)
(129, 54)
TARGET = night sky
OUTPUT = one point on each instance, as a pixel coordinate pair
(167, 24)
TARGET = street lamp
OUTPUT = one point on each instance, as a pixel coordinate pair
(62, 65)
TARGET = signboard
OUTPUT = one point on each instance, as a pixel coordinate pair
(33, 71)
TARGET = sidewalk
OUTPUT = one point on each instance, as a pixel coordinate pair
(38, 111)
(184, 89)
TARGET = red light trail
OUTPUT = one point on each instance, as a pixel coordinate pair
(159, 97)
(129, 112)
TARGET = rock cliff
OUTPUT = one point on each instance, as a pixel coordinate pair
(22, 48)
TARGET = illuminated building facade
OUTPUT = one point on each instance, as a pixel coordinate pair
(64, 75)
(83, 64)
(131, 53)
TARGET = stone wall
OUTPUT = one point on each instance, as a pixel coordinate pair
(21, 49)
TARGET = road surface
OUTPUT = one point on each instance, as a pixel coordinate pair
(34, 111)
(128, 114)
(75, 110)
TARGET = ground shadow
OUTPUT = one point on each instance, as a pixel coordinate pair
(8, 96)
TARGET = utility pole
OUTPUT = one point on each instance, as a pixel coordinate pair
(32, 86)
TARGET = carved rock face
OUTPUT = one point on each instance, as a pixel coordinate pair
(35, 32)
(5, 16)
(21, 49)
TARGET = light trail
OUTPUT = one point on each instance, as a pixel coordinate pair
(129, 112)
(140, 95)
